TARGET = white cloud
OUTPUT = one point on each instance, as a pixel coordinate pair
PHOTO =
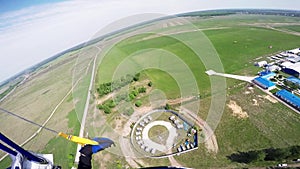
(33, 34)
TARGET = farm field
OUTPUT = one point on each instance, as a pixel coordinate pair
(36, 99)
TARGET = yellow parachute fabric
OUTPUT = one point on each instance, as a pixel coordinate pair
(78, 140)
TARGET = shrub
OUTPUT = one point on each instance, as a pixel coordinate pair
(106, 109)
(142, 90)
(138, 103)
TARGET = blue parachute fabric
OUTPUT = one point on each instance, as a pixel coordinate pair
(103, 144)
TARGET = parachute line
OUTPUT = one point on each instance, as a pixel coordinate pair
(29, 121)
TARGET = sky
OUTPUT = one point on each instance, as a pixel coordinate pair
(34, 30)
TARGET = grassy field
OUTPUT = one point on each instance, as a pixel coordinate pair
(251, 43)
(35, 100)
(65, 156)
(163, 81)
(238, 45)
(269, 125)
(239, 20)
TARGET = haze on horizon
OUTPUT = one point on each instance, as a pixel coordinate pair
(31, 32)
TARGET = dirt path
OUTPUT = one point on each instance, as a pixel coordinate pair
(180, 100)
(274, 25)
(128, 154)
(106, 97)
(173, 162)
(284, 31)
(22, 82)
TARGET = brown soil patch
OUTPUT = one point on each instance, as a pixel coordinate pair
(237, 110)
(255, 102)
(271, 99)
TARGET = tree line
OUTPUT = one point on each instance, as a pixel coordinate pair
(270, 154)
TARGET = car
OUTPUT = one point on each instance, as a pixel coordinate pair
(296, 160)
(282, 165)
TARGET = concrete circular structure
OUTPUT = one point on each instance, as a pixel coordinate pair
(170, 140)
(146, 147)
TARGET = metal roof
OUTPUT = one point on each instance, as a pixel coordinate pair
(289, 98)
(293, 80)
(265, 83)
(267, 74)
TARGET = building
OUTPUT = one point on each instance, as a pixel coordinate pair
(291, 69)
(267, 74)
(293, 80)
(284, 54)
(273, 68)
(293, 58)
(294, 51)
(264, 83)
(261, 63)
(289, 98)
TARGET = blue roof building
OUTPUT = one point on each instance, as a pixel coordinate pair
(264, 83)
(267, 75)
(294, 80)
(289, 98)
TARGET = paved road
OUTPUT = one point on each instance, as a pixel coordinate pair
(86, 107)
(238, 77)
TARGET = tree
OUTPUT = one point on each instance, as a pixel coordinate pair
(295, 151)
(104, 88)
(100, 106)
(132, 125)
(277, 154)
(131, 96)
(167, 107)
(150, 84)
(261, 155)
(106, 109)
(138, 103)
(111, 104)
(134, 92)
(142, 90)
(136, 77)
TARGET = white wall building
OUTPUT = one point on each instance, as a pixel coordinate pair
(261, 63)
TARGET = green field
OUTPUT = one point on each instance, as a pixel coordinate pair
(163, 81)
(238, 45)
(65, 156)
(251, 43)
